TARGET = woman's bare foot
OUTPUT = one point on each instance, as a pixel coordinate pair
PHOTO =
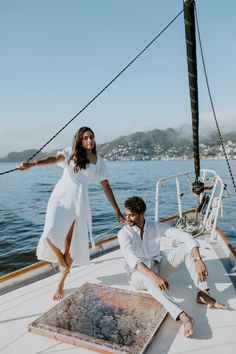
(204, 298)
(60, 288)
(58, 294)
(187, 323)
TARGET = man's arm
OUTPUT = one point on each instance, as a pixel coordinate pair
(127, 249)
(200, 265)
(192, 245)
(157, 280)
(135, 262)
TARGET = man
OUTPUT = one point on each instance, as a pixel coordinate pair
(148, 269)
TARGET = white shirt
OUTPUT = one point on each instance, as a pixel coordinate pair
(136, 249)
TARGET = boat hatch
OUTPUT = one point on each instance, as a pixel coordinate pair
(104, 319)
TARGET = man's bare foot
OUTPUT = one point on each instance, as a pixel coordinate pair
(219, 306)
(63, 267)
(187, 323)
(204, 298)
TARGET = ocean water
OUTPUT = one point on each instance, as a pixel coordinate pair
(24, 196)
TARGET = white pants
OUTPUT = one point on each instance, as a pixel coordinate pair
(165, 268)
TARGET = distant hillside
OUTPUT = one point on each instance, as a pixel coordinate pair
(152, 141)
(152, 145)
(165, 144)
(22, 156)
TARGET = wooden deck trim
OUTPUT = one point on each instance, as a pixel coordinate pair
(100, 243)
(23, 270)
(177, 215)
(41, 264)
(226, 241)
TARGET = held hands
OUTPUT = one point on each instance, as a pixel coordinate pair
(201, 270)
(26, 165)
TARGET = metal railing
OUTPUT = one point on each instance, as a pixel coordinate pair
(215, 193)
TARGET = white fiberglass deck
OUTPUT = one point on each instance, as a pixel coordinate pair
(214, 329)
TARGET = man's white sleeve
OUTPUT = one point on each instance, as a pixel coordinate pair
(127, 249)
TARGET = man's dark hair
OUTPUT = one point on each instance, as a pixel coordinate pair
(135, 205)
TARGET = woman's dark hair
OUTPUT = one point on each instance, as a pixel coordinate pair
(135, 205)
(78, 154)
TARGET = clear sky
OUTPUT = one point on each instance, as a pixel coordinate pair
(57, 54)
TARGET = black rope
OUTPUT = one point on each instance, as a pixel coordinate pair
(100, 92)
(212, 106)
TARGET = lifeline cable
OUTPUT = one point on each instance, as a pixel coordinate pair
(212, 106)
(97, 236)
(100, 92)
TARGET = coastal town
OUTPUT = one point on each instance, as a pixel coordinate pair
(156, 144)
(166, 144)
(133, 152)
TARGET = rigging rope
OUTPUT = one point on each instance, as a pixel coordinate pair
(212, 105)
(100, 92)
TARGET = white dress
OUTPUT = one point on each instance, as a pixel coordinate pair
(69, 202)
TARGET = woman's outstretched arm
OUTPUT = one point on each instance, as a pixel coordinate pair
(110, 196)
(49, 160)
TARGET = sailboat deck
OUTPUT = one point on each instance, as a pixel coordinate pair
(214, 329)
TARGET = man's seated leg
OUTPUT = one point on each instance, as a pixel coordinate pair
(141, 282)
(174, 258)
(170, 263)
(136, 281)
(167, 302)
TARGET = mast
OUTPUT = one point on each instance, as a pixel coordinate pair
(190, 39)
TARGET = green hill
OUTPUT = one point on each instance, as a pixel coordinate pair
(155, 144)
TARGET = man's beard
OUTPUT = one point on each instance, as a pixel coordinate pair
(131, 223)
(134, 223)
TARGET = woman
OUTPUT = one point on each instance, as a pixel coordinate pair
(68, 217)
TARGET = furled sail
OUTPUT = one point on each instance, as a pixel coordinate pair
(190, 38)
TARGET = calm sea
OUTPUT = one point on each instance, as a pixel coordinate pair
(24, 196)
